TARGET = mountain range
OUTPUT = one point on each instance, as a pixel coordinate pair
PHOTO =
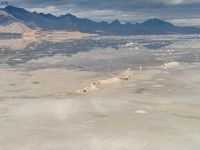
(69, 22)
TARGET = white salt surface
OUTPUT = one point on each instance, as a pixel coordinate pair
(39, 112)
(170, 65)
(140, 112)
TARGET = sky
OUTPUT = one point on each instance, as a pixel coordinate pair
(181, 12)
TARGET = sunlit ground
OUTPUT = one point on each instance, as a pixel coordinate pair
(158, 107)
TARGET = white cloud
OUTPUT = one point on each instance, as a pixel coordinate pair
(106, 15)
(186, 22)
(98, 15)
(177, 2)
(46, 10)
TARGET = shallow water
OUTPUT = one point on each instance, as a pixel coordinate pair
(157, 108)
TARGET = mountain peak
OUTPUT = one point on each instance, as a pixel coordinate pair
(69, 15)
(15, 10)
(156, 22)
(10, 7)
(116, 22)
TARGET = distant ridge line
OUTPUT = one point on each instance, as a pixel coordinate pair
(70, 22)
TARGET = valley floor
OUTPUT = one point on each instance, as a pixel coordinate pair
(158, 108)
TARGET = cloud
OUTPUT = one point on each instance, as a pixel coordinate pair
(49, 9)
(121, 4)
(186, 22)
(176, 2)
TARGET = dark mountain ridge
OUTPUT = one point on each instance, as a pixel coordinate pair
(70, 22)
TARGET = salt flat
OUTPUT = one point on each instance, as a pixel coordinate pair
(157, 108)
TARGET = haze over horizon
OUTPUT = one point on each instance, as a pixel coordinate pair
(180, 12)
